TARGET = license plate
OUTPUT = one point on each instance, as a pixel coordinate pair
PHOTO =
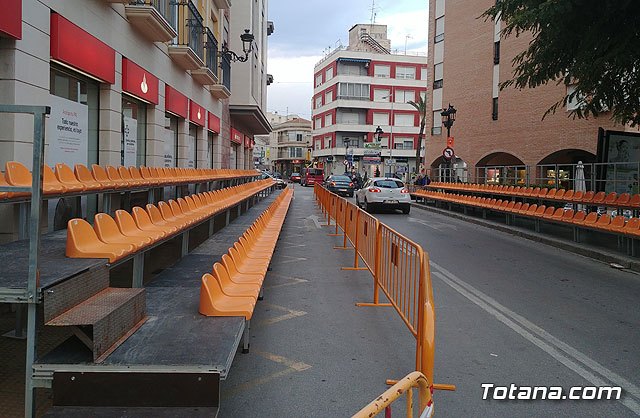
(343, 190)
(391, 201)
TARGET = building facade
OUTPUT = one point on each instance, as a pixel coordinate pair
(496, 128)
(289, 143)
(359, 89)
(134, 83)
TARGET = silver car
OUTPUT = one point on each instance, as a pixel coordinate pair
(384, 192)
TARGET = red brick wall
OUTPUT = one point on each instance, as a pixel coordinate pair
(468, 78)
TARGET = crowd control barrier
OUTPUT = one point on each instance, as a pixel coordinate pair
(399, 266)
(406, 385)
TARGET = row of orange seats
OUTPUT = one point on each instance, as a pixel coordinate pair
(232, 287)
(130, 232)
(589, 197)
(64, 180)
(603, 222)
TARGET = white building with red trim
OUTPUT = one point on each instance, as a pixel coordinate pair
(360, 88)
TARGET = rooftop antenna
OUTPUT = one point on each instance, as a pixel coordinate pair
(373, 12)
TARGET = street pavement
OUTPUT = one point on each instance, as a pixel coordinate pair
(508, 310)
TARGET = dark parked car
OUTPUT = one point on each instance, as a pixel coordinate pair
(295, 177)
(341, 185)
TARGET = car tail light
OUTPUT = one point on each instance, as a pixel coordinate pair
(333, 183)
(405, 190)
(374, 190)
(350, 184)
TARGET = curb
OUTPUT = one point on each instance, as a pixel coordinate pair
(632, 264)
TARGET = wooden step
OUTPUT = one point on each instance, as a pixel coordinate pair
(104, 320)
(66, 294)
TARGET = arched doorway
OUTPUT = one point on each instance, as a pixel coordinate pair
(501, 168)
(455, 170)
(558, 168)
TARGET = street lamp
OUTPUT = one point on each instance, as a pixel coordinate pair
(247, 41)
(378, 133)
(448, 117)
(347, 141)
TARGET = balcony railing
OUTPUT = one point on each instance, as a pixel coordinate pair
(211, 52)
(156, 19)
(226, 72)
(187, 48)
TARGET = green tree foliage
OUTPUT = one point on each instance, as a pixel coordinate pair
(591, 44)
(421, 106)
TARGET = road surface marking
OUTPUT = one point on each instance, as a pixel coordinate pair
(545, 341)
(289, 315)
(291, 280)
(433, 225)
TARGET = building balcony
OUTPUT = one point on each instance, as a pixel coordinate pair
(219, 91)
(187, 49)
(384, 152)
(204, 76)
(151, 18)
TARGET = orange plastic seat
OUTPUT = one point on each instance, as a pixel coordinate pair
(247, 265)
(178, 212)
(557, 214)
(10, 195)
(65, 175)
(110, 174)
(238, 277)
(516, 207)
(551, 194)
(214, 302)
(107, 231)
(603, 221)
(85, 177)
(158, 220)
(588, 197)
(617, 224)
(126, 176)
(623, 199)
(143, 221)
(82, 242)
(531, 211)
(568, 195)
(578, 196)
(17, 174)
(635, 201)
(524, 208)
(567, 216)
(610, 199)
(632, 227)
(591, 219)
(540, 211)
(579, 217)
(168, 215)
(128, 227)
(136, 175)
(231, 288)
(560, 194)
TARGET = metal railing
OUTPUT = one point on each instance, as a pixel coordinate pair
(404, 386)
(166, 8)
(399, 267)
(211, 52)
(190, 28)
(226, 72)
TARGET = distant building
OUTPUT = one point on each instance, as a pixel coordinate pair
(289, 143)
(360, 88)
(496, 128)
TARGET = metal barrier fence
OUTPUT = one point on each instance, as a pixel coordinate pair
(399, 267)
(406, 385)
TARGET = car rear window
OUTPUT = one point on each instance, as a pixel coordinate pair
(341, 178)
(295, 174)
(315, 172)
(389, 184)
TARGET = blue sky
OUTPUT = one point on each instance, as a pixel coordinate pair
(306, 31)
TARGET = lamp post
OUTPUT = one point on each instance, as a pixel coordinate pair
(247, 41)
(448, 117)
(391, 143)
(347, 141)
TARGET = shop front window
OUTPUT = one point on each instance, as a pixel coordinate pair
(134, 132)
(192, 146)
(170, 140)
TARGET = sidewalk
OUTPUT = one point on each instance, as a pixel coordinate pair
(313, 352)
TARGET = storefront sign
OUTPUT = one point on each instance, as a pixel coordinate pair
(191, 150)
(236, 136)
(175, 102)
(75, 47)
(213, 123)
(130, 135)
(11, 19)
(139, 82)
(247, 142)
(196, 113)
(169, 148)
(67, 132)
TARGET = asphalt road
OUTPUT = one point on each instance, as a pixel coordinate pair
(508, 311)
